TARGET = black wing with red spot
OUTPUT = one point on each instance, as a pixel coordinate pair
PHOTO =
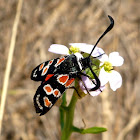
(50, 91)
(56, 78)
(46, 69)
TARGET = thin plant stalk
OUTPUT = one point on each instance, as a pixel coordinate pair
(69, 116)
(9, 61)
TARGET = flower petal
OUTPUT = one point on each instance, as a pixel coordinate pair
(97, 52)
(103, 58)
(87, 48)
(115, 80)
(58, 49)
(89, 85)
(104, 76)
(115, 59)
(97, 92)
(83, 47)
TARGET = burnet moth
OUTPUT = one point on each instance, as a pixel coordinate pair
(58, 74)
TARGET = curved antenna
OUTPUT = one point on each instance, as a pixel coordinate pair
(106, 31)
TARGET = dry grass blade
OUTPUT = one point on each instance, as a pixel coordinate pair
(9, 62)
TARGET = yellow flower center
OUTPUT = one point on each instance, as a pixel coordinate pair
(107, 66)
(73, 50)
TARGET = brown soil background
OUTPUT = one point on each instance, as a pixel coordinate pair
(44, 22)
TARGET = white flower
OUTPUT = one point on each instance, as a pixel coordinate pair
(89, 85)
(58, 49)
(83, 47)
(87, 48)
(107, 74)
(77, 47)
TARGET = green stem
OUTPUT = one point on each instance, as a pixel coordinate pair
(62, 111)
(69, 115)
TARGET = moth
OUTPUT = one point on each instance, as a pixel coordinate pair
(58, 74)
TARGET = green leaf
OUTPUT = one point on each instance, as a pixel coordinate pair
(85, 55)
(93, 130)
(95, 61)
(95, 67)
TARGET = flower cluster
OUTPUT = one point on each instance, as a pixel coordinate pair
(103, 69)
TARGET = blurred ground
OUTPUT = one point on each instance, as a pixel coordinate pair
(44, 22)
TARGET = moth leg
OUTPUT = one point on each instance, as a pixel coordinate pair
(99, 55)
(75, 90)
(85, 87)
(79, 76)
(93, 89)
(88, 77)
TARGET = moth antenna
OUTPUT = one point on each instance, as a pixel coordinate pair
(105, 32)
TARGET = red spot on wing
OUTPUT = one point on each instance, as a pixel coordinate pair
(69, 82)
(50, 62)
(59, 61)
(48, 89)
(48, 77)
(63, 79)
(45, 70)
(57, 93)
(47, 103)
(41, 66)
